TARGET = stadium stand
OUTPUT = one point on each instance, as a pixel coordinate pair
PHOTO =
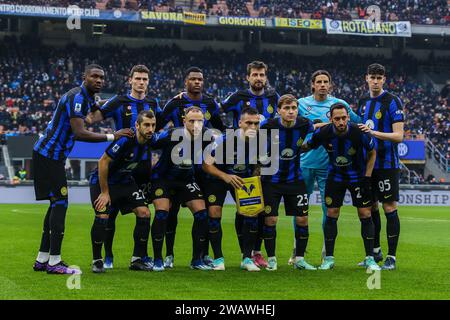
(417, 12)
(33, 77)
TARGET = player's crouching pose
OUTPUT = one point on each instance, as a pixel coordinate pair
(175, 181)
(226, 175)
(112, 186)
(352, 157)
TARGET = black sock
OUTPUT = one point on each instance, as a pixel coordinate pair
(249, 234)
(57, 222)
(199, 232)
(98, 233)
(110, 231)
(215, 236)
(45, 239)
(140, 235)
(260, 236)
(205, 244)
(330, 232)
(171, 228)
(367, 233)
(270, 235)
(301, 240)
(238, 222)
(393, 231)
(158, 231)
(377, 227)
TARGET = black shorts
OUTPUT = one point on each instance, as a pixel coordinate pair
(183, 191)
(49, 178)
(215, 191)
(335, 193)
(124, 197)
(385, 185)
(294, 195)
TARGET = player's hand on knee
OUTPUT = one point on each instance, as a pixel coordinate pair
(127, 132)
(102, 201)
(236, 181)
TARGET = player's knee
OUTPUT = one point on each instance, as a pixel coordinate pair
(162, 204)
(269, 232)
(142, 212)
(375, 206)
(200, 215)
(213, 225)
(390, 206)
(196, 205)
(215, 212)
(161, 214)
(271, 221)
(301, 221)
(252, 224)
(333, 212)
(364, 213)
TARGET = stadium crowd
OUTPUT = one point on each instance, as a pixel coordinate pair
(33, 78)
(416, 11)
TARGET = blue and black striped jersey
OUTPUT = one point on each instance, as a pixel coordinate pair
(347, 153)
(58, 139)
(380, 114)
(290, 141)
(124, 109)
(174, 111)
(266, 104)
(126, 154)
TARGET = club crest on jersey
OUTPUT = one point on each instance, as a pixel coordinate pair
(370, 124)
(328, 114)
(270, 109)
(308, 108)
(212, 198)
(378, 115)
(63, 191)
(351, 151)
(299, 142)
(342, 162)
(207, 115)
(77, 107)
(287, 154)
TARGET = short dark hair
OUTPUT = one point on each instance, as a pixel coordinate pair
(376, 68)
(145, 114)
(337, 106)
(286, 98)
(256, 65)
(139, 68)
(192, 69)
(192, 109)
(90, 67)
(319, 73)
(250, 111)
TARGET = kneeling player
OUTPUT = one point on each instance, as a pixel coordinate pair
(112, 186)
(226, 175)
(287, 182)
(175, 178)
(352, 157)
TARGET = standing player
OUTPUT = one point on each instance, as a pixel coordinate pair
(177, 179)
(113, 186)
(49, 155)
(227, 176)
(382, 115)
(173, 114)
(349, 168)
(257, 96)
(287, 182)
(124, 110)
(316, 107)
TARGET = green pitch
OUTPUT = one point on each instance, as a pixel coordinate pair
(423, 261)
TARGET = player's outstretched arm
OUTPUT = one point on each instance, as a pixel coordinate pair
(236, 181)
(94, 117)
(395, 136)
(82, 134)
(103, 169)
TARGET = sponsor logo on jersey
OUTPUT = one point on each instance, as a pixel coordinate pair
(287, 154)
(342, 162)
(370, 124)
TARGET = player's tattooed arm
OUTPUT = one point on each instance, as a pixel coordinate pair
(103, 169)
(371, 157)
(82, 134)
(395, 136)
